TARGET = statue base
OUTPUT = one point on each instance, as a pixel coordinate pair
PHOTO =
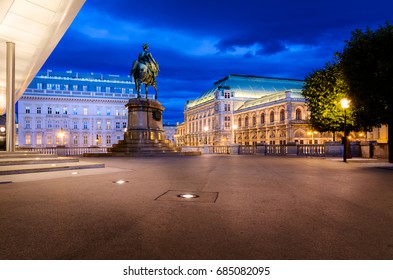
(145, 135)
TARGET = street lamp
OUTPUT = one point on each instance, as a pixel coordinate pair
(345, 105)
(234, 127)
(61, 136)
(206, 128)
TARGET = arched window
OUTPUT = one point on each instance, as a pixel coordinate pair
(298, 114)
(239, 122)
(246, 121)
(254, 120)
(272, 117)
(262, 118)
(282, 115)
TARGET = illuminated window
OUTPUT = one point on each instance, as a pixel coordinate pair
(98, 125)
(108, 125)
(38, 139)
(27, 139)
(49, 139)
(84, 111)
(75, 140)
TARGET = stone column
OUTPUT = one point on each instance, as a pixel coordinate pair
(10, 97)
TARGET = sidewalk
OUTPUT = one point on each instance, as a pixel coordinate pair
(248, 207)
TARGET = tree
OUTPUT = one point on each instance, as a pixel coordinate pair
(367, 62)
(323, 89)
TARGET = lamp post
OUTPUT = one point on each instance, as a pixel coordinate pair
(206, 128)
(345, 105)
(61, 136)
(312, 135)
(234, 127)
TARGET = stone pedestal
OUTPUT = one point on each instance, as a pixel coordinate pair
(144, 120)
(145, 134)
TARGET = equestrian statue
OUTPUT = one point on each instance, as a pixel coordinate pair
(144, 71)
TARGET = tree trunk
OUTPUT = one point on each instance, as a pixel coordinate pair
(390, 141)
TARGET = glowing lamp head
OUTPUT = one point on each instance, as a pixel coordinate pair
(345, 103)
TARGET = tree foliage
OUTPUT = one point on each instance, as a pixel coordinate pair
(323, 89)
(367, 62)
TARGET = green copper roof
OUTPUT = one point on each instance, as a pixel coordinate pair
(246, 86)
(294, 94)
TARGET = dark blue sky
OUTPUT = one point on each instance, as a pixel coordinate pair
(199, 42)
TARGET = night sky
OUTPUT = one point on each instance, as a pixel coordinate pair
(199, 42)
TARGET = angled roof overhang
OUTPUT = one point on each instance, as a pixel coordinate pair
(35, 27)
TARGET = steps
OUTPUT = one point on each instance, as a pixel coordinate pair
(22, 162)
(139, 148)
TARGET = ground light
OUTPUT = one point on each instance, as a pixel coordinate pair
(188, 195)
(120, 182)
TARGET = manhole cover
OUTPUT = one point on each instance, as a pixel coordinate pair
(188, 196)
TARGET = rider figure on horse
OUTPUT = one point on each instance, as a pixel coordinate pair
(146, 58)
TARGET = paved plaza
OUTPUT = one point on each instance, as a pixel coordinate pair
(248, 207)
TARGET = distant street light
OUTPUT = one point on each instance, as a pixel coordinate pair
(234, 127)
(206, 128)
(345, 105)
(61, 136)
(312, 135)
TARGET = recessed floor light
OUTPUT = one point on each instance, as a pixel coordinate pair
(120, 182)
(74, 173)
(188, 195)
(53, 165)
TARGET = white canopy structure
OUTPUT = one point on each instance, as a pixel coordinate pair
(29, 32)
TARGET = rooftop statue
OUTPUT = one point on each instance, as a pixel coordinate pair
(144, 71)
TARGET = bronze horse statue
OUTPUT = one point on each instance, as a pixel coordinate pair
(143, 75)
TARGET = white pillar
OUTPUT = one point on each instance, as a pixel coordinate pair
(10, 97)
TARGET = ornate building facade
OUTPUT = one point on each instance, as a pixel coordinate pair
(248, 110)
(73, 109)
